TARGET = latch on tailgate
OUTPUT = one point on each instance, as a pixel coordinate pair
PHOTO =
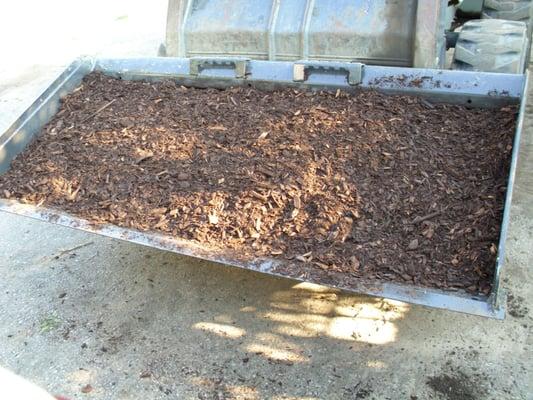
(354, 71)
(240, 65)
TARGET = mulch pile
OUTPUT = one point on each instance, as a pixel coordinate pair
(389, 188)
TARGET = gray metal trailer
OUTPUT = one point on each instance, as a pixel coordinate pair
(457, 87)
(387, 45)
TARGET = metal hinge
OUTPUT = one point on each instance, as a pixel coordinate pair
(240, 65)
(354, 71)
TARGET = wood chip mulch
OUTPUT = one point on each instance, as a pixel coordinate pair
(388, 188)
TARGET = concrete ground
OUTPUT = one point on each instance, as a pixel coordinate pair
(87, 317)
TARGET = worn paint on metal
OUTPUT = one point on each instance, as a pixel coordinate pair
(380, 32)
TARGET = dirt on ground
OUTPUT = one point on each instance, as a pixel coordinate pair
(342, 186)
(456, 387)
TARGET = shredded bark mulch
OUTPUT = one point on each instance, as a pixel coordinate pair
(375, 187)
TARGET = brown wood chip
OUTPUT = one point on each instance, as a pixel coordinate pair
(354, 178)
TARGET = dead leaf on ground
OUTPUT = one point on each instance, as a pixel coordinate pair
(87, 389)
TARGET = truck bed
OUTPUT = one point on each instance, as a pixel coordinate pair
(378, 187)
(390, 195)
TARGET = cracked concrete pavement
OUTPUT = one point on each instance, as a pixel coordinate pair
(87, 317)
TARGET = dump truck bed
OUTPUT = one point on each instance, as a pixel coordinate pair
(455, 87)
